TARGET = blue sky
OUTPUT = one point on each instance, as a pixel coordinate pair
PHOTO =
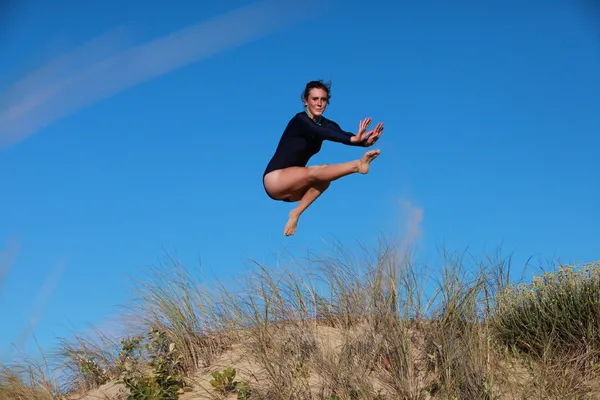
(491, 133)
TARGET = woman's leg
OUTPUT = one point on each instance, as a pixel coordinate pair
(289, 182)
(306, 184)
(309, 197)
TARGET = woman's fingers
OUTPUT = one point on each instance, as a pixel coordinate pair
(364, 123)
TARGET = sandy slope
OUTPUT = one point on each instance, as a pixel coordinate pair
(328, 338)
(516, 384)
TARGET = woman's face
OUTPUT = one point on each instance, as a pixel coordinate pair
(316, 102)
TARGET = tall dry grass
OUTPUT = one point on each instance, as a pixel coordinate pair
(358, 323)
(28, 378)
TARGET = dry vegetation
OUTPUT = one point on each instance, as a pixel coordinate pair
(342, 325)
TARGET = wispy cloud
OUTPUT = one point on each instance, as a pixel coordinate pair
(100, 69)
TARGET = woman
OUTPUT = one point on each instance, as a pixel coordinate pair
(287, 178)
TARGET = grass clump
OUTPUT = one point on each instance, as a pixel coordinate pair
(174, 301)
(29, 379)
(88, 362)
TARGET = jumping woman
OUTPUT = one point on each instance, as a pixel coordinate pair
(287, 178)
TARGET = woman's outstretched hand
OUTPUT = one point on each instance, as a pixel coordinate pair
(371, 137)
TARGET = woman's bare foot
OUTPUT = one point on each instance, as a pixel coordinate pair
(365, 161)
(291, 225)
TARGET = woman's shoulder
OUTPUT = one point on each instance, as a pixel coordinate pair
(299, 114)
(301, 118)
(329, 123)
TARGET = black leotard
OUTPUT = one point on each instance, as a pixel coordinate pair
(302, 139)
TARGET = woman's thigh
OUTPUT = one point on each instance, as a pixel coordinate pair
(288, 182)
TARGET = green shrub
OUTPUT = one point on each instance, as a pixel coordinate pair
(557, 313)
(151, 368)
(224, 382)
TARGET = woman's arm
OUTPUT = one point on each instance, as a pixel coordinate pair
(330, 131)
